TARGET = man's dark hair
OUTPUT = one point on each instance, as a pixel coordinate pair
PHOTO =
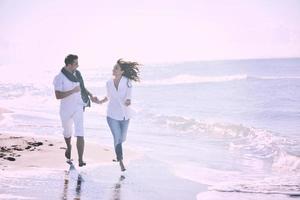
(70, 59)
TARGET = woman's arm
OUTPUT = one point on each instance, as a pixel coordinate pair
(101, 101)
(105, 99)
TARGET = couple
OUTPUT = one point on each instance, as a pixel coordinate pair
(69, 88)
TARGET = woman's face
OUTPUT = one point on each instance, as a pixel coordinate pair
(117, 70)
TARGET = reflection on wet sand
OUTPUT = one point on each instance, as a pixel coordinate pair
(66, 186)
(74, 193)
(78, 187)
(117, 189)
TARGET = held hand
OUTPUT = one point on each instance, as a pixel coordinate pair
(95, 100)
(127, 102)
(98, 101)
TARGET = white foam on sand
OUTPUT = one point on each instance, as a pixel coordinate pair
(213, 195)
(9, 196)
(203, 175)
(237, 185)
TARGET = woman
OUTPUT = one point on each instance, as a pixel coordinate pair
(119, 101)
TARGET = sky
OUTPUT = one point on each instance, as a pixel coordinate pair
(38, 33)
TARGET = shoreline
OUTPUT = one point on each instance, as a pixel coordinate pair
(29, 152)
(39, 161)
(48, 164)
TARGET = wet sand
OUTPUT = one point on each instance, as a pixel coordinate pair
(144, 178)
(34, 167)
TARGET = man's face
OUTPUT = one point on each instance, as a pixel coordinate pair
(74, 65)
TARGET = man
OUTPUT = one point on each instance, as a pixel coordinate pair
(74, 97)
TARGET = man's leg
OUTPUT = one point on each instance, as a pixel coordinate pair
(69, 147)
(79, 133)
(80, 150)
(67, 127)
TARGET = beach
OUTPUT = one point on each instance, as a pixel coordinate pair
(201, 130)
(212, 98)
(26, 153)
(26, 157)
(19, 152)
(33, 167)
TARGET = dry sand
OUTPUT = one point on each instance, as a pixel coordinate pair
(19, 152)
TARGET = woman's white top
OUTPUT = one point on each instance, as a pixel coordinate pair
(116, 108)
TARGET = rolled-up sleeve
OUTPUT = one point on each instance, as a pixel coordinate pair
(129, 90)
(58, 83)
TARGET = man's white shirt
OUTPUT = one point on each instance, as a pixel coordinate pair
(70, 103)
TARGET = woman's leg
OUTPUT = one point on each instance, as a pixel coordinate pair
(124, 128)
(119, 151)
(115, 128)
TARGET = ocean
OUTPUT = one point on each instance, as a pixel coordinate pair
(231, 125)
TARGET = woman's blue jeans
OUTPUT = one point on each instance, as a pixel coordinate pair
(118, 129)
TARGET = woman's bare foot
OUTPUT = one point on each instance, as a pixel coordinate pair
(122, 166)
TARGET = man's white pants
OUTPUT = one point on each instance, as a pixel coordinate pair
(69, 118)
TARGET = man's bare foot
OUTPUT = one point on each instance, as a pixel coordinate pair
(68, 153)
(70, 161)
(122, 166)
(81, 163)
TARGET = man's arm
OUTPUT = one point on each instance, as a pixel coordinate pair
(88, 92)
(61, 95)
(93, 98)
